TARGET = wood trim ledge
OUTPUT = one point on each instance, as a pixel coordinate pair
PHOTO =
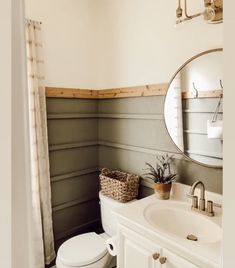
(125, 92)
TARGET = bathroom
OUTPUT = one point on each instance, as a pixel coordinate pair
(107, 66)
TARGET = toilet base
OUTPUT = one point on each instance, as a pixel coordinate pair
(113, 262)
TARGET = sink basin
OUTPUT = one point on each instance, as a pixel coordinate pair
(177, 219)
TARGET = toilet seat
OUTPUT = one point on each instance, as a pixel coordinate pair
(82, 250)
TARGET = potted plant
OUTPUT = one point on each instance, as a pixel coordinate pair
(162, 176)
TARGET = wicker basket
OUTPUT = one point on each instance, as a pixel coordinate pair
(119, 185)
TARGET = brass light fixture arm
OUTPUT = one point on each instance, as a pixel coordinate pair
(179, 10)
(213, 12)
(186, 12)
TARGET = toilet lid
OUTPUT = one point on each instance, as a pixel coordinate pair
(82, 250)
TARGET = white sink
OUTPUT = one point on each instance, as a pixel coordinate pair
(177, 219)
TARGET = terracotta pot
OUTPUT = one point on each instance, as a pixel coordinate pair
(162, 191)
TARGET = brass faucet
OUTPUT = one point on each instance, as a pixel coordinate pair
(200, 206)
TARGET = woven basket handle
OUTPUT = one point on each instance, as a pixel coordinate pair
(105, 171)
(130, 177)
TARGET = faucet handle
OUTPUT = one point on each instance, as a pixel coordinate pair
(209, 206)
(215, 204)
(194, 200)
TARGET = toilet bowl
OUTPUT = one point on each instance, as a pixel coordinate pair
(89, 250)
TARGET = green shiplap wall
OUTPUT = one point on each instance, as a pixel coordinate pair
(86, 135)
(73, 152)
(196, 112)
(132, 131)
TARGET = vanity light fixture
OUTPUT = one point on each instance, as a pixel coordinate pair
(213, 12)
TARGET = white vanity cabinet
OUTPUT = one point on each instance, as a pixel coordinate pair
(135, 251)
(150, 226)
(174, 261)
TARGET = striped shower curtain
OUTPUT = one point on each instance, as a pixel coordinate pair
(43, 240)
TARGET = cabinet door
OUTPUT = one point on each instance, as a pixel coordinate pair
(137, 256)
(137, 252)
(174, 261)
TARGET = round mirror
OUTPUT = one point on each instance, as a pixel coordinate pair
(193, 108)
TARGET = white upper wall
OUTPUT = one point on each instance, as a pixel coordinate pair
(205, 71)
(5, 136)
(114, 43)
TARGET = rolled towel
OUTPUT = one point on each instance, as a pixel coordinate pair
(112, 245)
(215, 129)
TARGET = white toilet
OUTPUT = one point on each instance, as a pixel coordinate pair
(89, 250)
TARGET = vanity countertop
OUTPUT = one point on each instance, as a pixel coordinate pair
(133, 217)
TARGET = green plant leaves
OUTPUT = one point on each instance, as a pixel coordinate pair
(162, 172)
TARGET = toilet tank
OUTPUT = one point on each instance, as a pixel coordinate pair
(107, 206)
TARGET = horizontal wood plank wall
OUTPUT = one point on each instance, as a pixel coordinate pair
(86, 134)
(125, 92)
(73, 152)
(195, 115)
(127, 143)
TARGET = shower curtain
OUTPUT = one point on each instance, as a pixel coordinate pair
(43, 240)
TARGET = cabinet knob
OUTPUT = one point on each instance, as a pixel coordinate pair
(156, 256)
(162, 260)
